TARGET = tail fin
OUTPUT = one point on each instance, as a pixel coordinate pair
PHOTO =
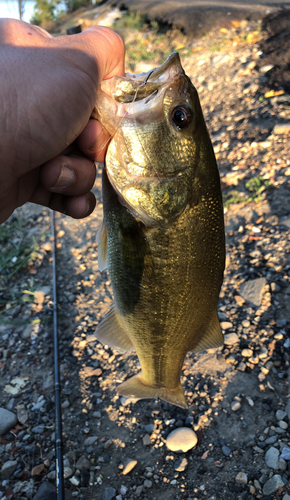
(137, 388)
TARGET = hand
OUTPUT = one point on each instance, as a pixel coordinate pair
(47, 93)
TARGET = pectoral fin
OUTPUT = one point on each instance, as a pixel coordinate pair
(102, 239)
(111, 332)
(212, 337)
(137, 388)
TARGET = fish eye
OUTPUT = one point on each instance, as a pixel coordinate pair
(181, 116)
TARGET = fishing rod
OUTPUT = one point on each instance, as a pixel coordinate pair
(58, 417)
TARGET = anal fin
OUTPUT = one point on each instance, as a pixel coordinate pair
(111, 332)
(137, 388)
(212, 337)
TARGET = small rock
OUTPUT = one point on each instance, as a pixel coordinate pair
(22, 415)
(286, 497)
(281, 414)
(146, 440)
(25, 334)
(83, 463)
(149, 428)
(7, 421)
(283, 425)
(272, 457)
(282, 464)
(285, 454)
(75, 481)
(147, 483)
(271, 440)
(67, 472)
(282, 128)
(37, 470)
(46, 491)
(247, 353)
(109, 493)
(181, 440)
(273, 485)
(90, 440)
(181, 465)
(231, 338)
(139, 490)
(226, 451)
(252, 290)
(8, 468)
(241, 478)
(128, 466)
(226, 325)
(123, 490)
(235, 405)
(38, 429)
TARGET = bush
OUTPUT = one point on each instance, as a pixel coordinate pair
(45, 11)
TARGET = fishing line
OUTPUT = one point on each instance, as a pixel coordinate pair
(58, 418)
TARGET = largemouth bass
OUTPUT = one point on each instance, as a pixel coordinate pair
(162, 237)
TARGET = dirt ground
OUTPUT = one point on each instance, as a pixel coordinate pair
(234, 393)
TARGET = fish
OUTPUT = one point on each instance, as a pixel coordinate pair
(162, 237)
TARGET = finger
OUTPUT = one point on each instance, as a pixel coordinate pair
(77, 207)
(69, 175)
(94, 140)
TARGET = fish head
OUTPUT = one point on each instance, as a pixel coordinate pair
(157, 129)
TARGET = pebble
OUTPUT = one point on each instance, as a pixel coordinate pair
(45, 490)
(181, 440)
(7, 421)
(146, 440)
(272, 457)
(128, 466)
(273, 485)
(8, 468)
(286, 497)
(283, 425)
(109, 493)
(83, 463)
(247, 353)
(38, 429)
(226, 451)
(37, 470)
(235, 405)
(241, 478)
(75, 481)
(285, 453)
(231, 338)
(139, 490)
(252, 290)
(226, 325)
(282, 128)
(67, 472)
(281, 414)
(181, 465)
(271, 440)
(90, 440)
(147, 483)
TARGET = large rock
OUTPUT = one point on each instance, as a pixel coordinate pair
(273, 485)
(252, 290)
(272, 457)
(7, 420)
(181, 440)
(8, 469)
(109, 493)
(46, 491)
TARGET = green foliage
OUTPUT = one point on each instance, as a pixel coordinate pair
(131, 20)
(17, 248)
(257, 186)
(72, 5)
(45, 11)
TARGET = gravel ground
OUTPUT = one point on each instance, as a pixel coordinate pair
(233, 441)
